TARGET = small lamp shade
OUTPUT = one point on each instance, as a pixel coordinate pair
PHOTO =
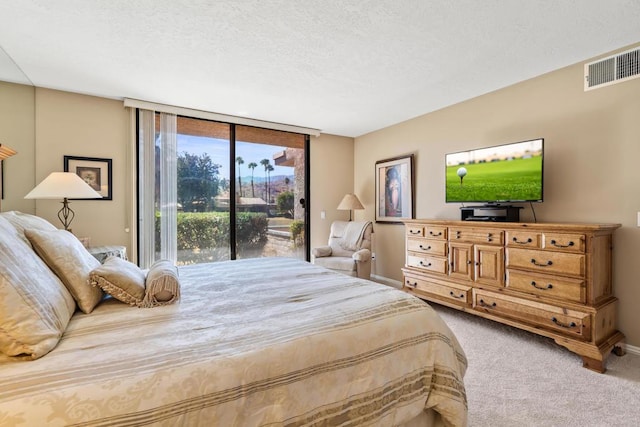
(350, 202)
(63, 185)
(6, 152)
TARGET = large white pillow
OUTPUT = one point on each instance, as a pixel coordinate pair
(35, 307)
(22, 221)
(72, 263)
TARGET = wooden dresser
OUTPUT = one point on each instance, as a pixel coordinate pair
(550, 279)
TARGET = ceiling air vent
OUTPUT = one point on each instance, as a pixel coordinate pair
(614, 69)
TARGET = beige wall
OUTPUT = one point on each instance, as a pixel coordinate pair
(17, 130)
(331, 179)
(47, 126)
(592, 148)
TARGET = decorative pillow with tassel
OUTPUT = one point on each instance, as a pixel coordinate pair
(162, 285)
(121, 279)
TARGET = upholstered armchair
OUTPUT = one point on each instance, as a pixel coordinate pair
(348, 250)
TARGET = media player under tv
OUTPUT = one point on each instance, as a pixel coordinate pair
(490, 213)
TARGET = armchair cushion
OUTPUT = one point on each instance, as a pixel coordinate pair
(321, 251)
(340, 263)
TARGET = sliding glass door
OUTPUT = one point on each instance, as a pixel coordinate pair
(227, 192)
(271, 192)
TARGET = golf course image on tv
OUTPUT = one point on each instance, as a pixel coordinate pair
(504, 173)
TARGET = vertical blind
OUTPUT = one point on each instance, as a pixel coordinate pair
(165, 168)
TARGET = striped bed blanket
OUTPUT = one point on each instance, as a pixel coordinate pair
(261, 342)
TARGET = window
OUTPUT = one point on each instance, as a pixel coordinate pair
(219, 191)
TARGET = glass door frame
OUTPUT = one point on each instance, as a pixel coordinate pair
(232, 190)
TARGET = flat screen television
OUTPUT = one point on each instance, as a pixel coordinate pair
(495, 175)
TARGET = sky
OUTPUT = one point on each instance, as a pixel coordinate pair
(218, 150)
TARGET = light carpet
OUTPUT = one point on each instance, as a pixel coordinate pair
(516, 378)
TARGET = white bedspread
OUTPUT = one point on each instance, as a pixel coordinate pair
(264, 342)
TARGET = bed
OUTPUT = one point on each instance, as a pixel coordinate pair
(259, 342)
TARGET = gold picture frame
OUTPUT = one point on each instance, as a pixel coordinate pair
(394, 189)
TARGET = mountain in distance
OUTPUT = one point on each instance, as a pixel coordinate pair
(261, 179)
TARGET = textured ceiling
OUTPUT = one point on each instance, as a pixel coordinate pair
(344, 67)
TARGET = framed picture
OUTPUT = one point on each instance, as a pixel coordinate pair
(94, 171)
(394, 189)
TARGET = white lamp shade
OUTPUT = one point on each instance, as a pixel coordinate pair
(60, 185)
(350, 202)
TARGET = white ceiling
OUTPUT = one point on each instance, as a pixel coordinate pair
(344, 67)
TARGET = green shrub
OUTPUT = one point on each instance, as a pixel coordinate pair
(204, 230)
(297, 231)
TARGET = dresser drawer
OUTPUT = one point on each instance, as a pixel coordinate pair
(435, 232)
(461, 295)
(546, 261)
(561, 288)
(476, 235)
(415, 230)
(427, 246)
(568, 322)
(524, 239)
(425, 230)
(427, 263)
(565, 242)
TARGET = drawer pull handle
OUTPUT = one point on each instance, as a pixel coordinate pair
(431, 233)
(534, 262)
(563, 325)
(428, 248)
(558, 245)
(484, 304)
(522, 242)
(534, 284)
(415, 232)
(412, 285)
(425, 265)
(456, 296)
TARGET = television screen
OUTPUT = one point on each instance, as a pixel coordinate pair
(503, 173)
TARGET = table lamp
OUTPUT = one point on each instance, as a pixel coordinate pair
(350, 202)
(63, 185)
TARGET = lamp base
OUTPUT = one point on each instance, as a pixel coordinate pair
(66, 215)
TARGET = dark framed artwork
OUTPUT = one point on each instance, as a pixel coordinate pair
(394, 189)
(94, 171)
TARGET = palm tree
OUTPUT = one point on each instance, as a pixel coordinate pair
(239, 161)
(266, 164)
(252, 166)
(269, 170)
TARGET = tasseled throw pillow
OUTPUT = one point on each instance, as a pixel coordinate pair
(121, 279)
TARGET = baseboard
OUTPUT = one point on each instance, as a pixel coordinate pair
(632, 349)
(397, 284)
(386, 281)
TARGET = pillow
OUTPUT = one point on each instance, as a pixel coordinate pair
(22, 221)
(162, 284)
(72, 263)
(35, 307)
(121, 279)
